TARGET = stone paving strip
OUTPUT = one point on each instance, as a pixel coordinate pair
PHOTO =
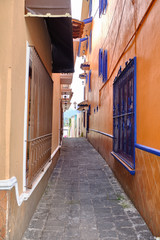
(84, 201)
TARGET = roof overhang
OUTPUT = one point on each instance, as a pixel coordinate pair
(82, 105)
(77, 27)
(82, 75)
(57, 15)
(51, 7)
(85, 66)
(60, 30)
(66, 91)
(66, 78)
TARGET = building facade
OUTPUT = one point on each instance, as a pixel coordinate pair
(121, 67)
(36, 67)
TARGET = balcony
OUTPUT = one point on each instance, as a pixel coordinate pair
(66, 78)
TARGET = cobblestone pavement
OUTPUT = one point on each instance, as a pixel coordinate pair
(84, 201)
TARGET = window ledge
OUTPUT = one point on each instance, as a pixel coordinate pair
(129, 169)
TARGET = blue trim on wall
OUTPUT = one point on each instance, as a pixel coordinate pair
(148, 149)
(88, 20)
(130, 170)
(79, 48)
(134, 107)
(83, 39)
(90, 8)
(105, 134)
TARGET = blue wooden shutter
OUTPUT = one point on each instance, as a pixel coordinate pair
(100, 61)
(105, 70)
(89, 80)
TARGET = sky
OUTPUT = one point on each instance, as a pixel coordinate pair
(77, 87)
(76, 6)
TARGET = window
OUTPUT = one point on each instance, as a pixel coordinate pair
(84, 118)
(89, 78)
(105, 2)
(105, 66)
(102, 7)
(123, 114)
(100, 62)
(39, 123)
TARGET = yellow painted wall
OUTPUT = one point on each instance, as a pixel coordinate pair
(56, 111)
(5, 85)
(16, 32)
(113, 32)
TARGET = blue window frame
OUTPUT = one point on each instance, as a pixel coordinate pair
(82, 45)
(124, 112)
(105, 2)
(89, 78)
(88, 114)
(97, 108)
(86, 78)
(100, 62)
(87, 44)
(102, 7)
(105, 63)
(90, 8)
(90, 42)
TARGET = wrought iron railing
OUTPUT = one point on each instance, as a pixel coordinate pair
(38, 153)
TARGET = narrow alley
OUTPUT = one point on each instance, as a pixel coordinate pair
(84, 201)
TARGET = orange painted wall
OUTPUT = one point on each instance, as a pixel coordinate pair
(113, 32)
(3, 208)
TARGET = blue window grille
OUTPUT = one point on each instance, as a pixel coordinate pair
(89, 78)
(123, 114)
(100, 62)
(90, 42)
(90, 8)
(105, 63)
